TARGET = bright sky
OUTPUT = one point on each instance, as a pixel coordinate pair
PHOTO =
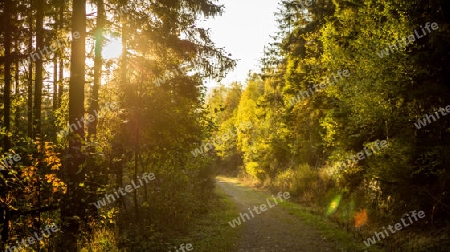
(244, 29)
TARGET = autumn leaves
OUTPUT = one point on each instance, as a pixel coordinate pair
(9, 161)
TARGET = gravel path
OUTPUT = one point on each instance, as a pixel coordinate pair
(272, 230)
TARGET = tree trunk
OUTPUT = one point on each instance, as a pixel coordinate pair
(136, 161)
(4, 212)
(137, 149)
(7, 78)
(61, 57)
(61, 80)
(73, 207)
(39, 67)
(55, 82)
(92, 128)
(17, 84)
(93, 104)
(30, 78)
(123, 77)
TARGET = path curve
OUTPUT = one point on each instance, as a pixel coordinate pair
(273, 230)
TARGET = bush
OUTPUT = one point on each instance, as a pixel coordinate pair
(102, 239)
(303, 182)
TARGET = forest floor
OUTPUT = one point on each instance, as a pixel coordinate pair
(273, 230)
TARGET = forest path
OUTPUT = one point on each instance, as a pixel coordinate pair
(272, 230)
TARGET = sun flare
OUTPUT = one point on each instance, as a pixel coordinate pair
(113, 49)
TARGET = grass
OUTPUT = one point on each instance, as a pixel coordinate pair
(212, 232)
(344, 241)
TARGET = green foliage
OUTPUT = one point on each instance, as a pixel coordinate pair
(296, 140)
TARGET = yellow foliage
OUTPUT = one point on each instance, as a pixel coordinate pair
(253, 169)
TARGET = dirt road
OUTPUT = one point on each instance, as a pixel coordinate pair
(271, 230)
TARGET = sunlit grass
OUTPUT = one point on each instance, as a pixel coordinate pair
(212, 231)
(343, 241)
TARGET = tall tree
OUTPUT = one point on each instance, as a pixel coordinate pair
(30, 73)
(61, 6)
(7, 33)
(40, 5)
(98, 63)
(74, 205)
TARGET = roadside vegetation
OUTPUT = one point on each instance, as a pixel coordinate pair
(323, 103)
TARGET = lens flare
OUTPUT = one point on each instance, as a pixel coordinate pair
(361, 218)
(334, 205)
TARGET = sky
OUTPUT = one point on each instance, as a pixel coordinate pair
(243, 30)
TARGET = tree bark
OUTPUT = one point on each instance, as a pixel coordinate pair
(30, 77)
(4, 212)
(73, 207)
(123, 78)
(92, 128)
(7, 78)
(17, 82)
(39, 68)
(61, 57)
(93, 103)
(55, 82)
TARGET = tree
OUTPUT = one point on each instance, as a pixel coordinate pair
(39, 67)
(72, 210)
